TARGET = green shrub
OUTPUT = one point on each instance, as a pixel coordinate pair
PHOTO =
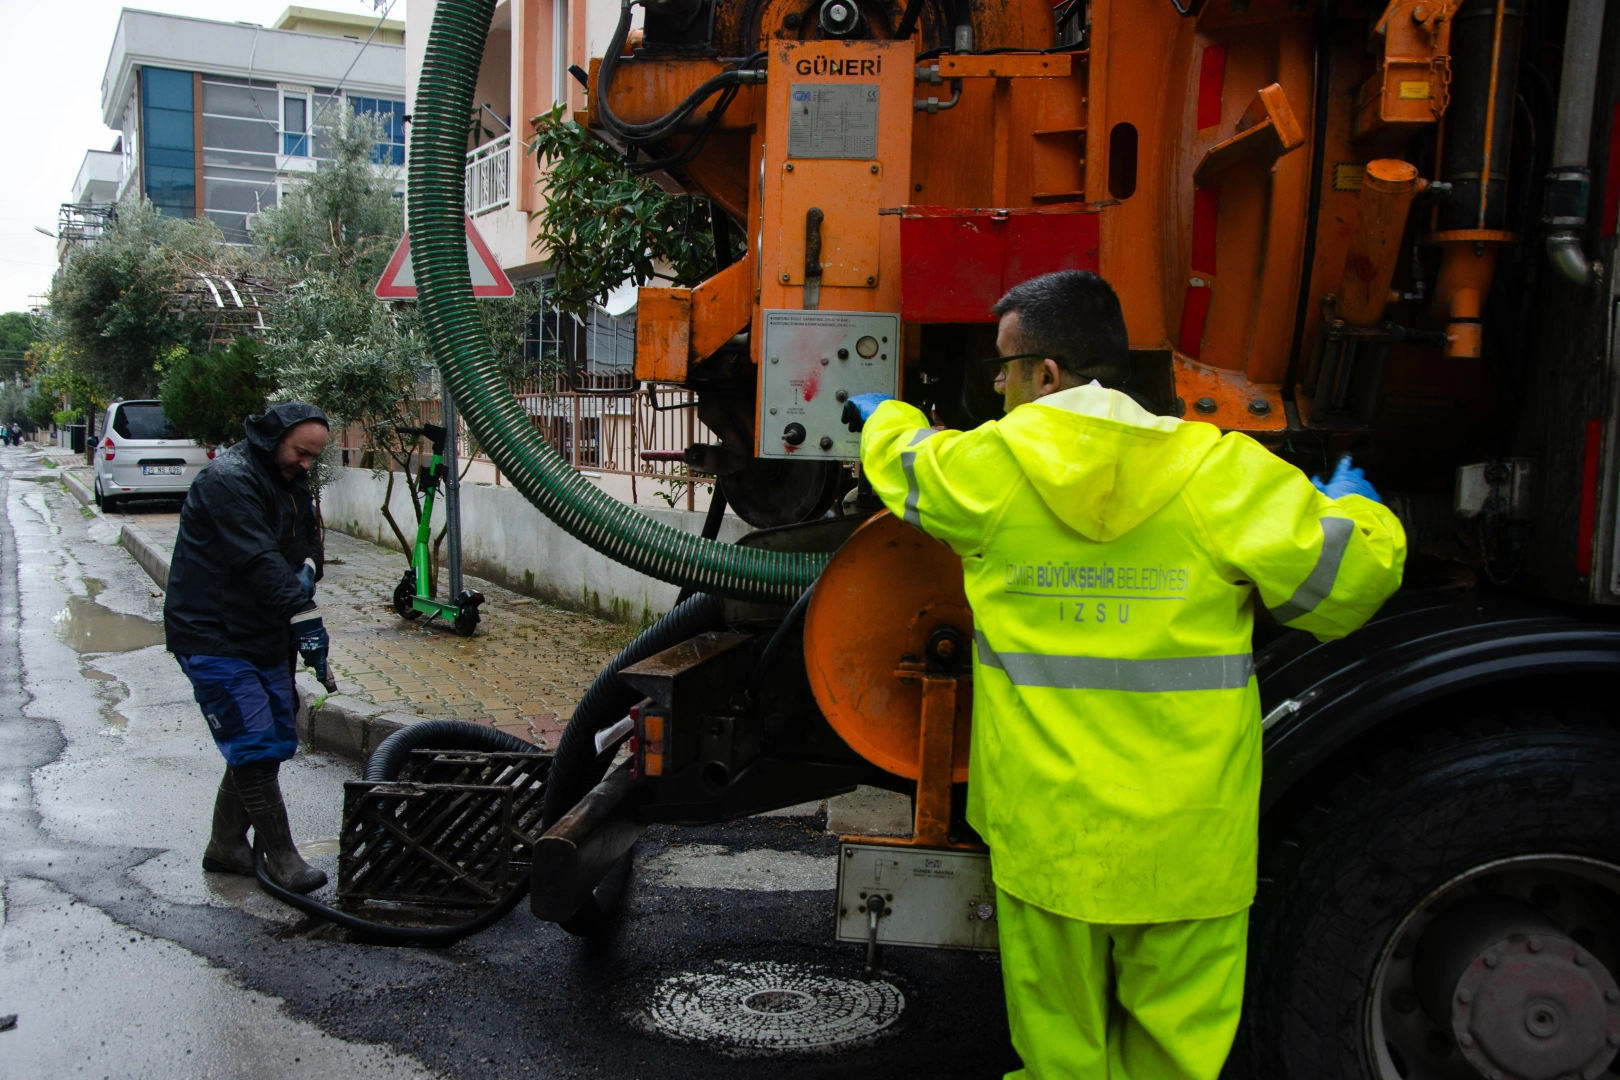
(208, 395)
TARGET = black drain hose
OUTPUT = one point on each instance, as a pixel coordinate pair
(605, 702)
(384, 765)
(391, 754)
(394, 935)
(577, 766)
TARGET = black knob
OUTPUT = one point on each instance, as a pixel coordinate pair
(793, 434)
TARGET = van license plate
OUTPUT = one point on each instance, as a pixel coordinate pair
(162, 470)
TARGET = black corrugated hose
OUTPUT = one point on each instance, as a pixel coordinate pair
(577, 766)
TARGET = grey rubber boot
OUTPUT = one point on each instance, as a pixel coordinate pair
(261, 796)
(228, 850)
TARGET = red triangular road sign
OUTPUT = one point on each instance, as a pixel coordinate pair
(398, 281)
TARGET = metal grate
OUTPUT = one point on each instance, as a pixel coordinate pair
(456, 830)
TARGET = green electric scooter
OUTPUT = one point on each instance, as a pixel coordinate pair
(411, 598)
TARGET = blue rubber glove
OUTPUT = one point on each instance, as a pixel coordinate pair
(314, 645)
(306, 578)
(1346, 480)
(859, 409)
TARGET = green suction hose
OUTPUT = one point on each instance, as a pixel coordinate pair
(439, 254)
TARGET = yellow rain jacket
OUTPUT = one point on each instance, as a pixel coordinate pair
(1111, 558)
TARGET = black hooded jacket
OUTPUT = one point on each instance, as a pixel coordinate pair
(244, 531)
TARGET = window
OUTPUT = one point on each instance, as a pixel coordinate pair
(168, 147)
(295, 125)
(241, 137)
(559, 51)
(391, 115)
(239, 123)
(143, 421)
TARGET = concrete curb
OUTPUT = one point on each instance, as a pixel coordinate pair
(147, 552)
(343, 725)
(76, 486)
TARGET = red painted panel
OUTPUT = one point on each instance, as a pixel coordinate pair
(1211, 76)
(1194, 313)
(1589, 483)
(1206, 215)
(956, 263)
(1611, 177)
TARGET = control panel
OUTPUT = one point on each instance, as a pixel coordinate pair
(811, 362)
(932, 898)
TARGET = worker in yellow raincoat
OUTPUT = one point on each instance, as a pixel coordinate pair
(1112, 559)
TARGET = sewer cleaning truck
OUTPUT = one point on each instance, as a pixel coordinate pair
(1339, 226)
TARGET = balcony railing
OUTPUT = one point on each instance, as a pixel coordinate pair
(489, 176)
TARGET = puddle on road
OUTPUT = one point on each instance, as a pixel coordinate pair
(112, 694)
(87, 627)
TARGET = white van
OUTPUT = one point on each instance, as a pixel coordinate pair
(142, 455)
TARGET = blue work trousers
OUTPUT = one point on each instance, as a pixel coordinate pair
(250, 710)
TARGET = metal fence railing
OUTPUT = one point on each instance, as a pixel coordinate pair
(638, 434)
(589, 407)
(489, 176)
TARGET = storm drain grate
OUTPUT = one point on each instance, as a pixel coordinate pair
(766, 1007)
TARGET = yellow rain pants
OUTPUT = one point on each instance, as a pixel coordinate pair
(1100, 1001)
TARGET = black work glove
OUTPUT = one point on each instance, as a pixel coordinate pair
(314, 644)
(306, 578)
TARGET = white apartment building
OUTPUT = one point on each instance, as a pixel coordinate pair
(215, 118)
(531, 45)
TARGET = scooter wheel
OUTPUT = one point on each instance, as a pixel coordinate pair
(404, 593)
(467, 621)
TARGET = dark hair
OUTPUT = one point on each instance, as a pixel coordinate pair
(1074, 317)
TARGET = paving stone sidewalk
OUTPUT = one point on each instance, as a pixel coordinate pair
(523, 671)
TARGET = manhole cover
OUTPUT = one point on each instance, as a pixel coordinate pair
(768, 1007)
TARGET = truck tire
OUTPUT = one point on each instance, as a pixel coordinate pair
(1344, 873)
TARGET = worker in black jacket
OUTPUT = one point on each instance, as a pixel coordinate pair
(240, 607)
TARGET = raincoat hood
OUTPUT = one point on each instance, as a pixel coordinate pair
(1101, 462)
(267, 428)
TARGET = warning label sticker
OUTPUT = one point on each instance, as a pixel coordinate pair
(831, 120)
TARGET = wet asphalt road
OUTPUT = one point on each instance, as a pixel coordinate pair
(122, 959)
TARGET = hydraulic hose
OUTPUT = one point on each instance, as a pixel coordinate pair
(653, 130)
(773, 647)
(455, 50)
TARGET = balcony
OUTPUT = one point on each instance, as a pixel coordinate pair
(489, 176)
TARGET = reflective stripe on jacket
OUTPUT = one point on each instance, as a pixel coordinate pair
(1110, 558)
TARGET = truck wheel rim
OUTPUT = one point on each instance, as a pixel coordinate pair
(1503, 972)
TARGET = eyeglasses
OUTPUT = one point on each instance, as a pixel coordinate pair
(1062, 363)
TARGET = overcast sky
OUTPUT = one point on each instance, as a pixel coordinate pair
(52, 57)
